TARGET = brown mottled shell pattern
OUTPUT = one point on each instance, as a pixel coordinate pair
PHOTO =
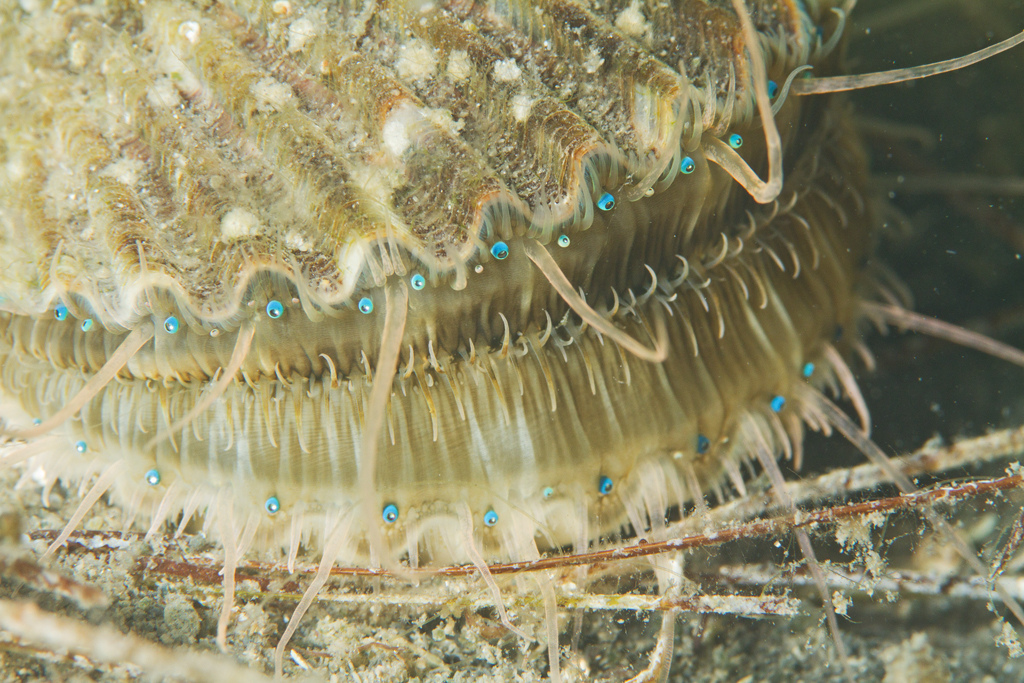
(188, 149)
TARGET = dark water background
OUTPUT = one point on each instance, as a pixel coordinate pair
(961, 253)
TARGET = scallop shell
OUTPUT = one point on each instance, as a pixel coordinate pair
(168, 147)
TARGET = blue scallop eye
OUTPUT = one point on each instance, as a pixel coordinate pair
(773, 89)
(548, 491)
(499, 251)
(777, 403)
(490, 518)
(365, 305)
(563, 241)
(390, 514)
(418, 282)
(272, 505)
(687, 166)
(275, 310)
(735, 140)
(86, 324)
(81, 447)
(152, 477)
(606, 202)
(60, 312)
(808, 369)
(703, 444)
(605, 485)
(171, 324)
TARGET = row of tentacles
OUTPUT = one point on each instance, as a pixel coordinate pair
(690, 279)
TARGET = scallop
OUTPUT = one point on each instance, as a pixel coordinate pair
(425, 284)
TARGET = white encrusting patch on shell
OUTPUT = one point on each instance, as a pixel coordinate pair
(189, 30)
(521, 105)
(271, 95)
(297, 241)
(300, 32)
(632, 22)
(459, 65)
(593, 61)
(416, 61)
(507, 71)
(237, 224)
(398, 128)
